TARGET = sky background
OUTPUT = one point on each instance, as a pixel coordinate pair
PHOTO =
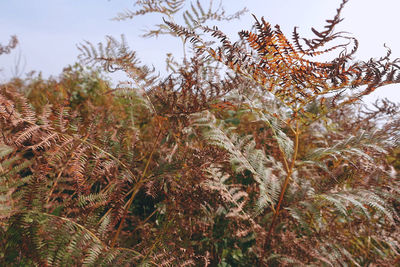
(49, 30)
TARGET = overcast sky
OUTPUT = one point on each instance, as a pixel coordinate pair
(49, 30)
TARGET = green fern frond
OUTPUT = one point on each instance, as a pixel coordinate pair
(269, 116)
(243, 156)
(356, 200)
(5, 151)
(11, 165)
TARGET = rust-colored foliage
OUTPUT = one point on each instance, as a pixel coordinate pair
(268, 159)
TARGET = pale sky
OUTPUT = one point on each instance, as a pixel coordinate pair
(49, 30)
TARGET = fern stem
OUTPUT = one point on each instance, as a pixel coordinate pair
(135, 191)
(285, 184)
(54, 185)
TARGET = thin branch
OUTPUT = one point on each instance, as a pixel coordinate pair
(285, 184)
(137, 186)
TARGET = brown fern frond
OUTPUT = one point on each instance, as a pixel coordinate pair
(327, 35)
(192, 89)
(193, 16)
(183, 31)
(281, 68)
(150, 6)
(11, 45)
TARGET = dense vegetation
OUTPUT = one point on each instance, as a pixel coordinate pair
(249, 153)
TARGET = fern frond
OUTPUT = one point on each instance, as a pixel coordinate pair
(243, 156)
(11, 165)
(168, 7)
(11, 45)
(357, 200)
(193, 16)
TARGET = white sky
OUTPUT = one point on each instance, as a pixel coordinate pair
(49, 30)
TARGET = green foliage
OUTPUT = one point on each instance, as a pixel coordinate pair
(248, 154)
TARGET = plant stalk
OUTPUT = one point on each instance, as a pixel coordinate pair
(285, 184)
(135, 191)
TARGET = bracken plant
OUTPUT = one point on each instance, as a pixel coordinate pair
(248, 153)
